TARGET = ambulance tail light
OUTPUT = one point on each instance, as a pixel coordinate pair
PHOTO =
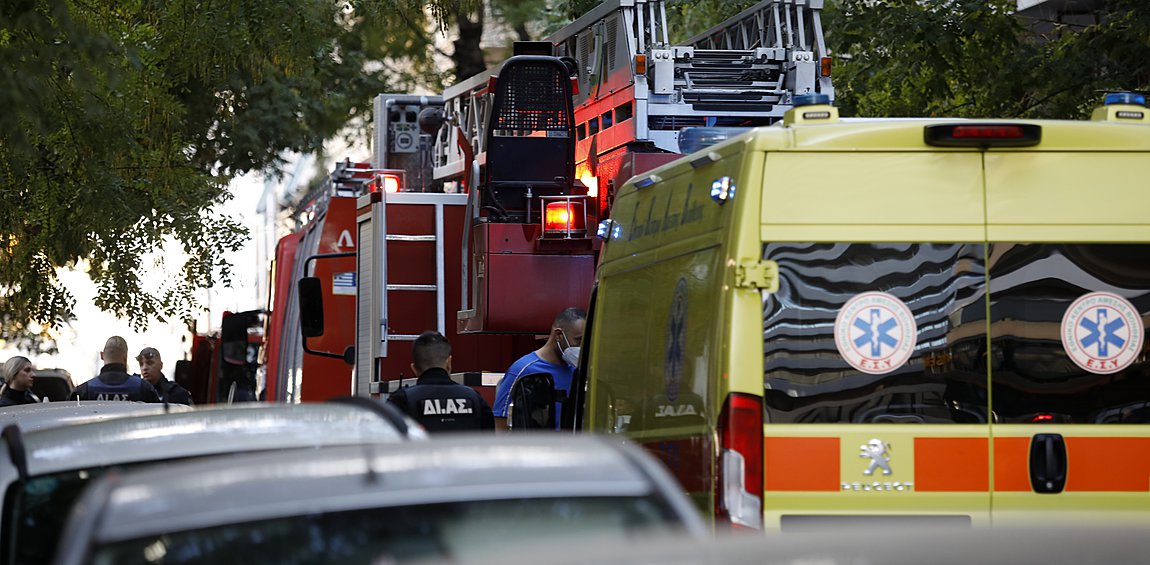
(564, 216)
(739, 492)
(982, 135)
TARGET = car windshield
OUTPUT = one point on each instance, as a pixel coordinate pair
(35, 512)
(453, 531)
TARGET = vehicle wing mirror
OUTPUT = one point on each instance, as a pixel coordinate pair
(310, 307)
(533, 403)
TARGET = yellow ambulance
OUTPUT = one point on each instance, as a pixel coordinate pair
(831, 322)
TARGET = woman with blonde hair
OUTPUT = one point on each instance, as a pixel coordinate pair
(17, 373)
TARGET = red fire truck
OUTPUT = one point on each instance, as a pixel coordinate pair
(479, 214)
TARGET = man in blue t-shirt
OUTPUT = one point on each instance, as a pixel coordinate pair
(557, 357)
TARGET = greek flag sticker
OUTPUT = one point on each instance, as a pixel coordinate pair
(343, 283)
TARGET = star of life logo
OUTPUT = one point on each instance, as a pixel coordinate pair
(1102, 332)
(875, 332)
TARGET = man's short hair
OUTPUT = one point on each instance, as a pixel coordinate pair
(430, 350)
(149, 353)
(568, 317)
(116, 349)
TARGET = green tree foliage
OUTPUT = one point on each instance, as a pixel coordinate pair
(977, 58)
(688, 18)
(124, 120)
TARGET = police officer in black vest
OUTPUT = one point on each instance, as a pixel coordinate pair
(114, 382)
(152, 369)
(436, 401)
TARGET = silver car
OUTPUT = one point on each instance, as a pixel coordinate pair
(44, 415)
(43, 472)
(452, 497)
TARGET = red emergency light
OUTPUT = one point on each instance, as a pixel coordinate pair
(387, 182)
(564, 217)
(391, 183)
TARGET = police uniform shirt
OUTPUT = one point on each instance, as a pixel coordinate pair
(172, 392)
(441, 404)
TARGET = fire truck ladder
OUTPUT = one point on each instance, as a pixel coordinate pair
(436, 287)
(466, 111)
(743, 72)
(785, 34)
(373, 305)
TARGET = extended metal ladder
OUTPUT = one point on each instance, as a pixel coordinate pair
(374, 313)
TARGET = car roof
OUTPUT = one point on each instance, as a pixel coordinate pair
(195, 433)
(43, 415)
(447, 469)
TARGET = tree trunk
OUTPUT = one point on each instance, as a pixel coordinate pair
(468, 55)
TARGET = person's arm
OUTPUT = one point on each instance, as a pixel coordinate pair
(148, 392)
(398, 399)
(180, 395)
(486, 418)
(502, 396)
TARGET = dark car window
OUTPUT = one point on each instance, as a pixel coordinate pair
(55, 388)
(400, 534)
(35, 512)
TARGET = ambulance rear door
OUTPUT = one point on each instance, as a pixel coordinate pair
(1069, 270)
(875, 384)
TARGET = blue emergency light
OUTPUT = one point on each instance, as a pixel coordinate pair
(811, 99)
(1124, 98)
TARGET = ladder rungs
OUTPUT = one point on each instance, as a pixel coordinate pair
(411, 238)
(401, 337)
(421, 287)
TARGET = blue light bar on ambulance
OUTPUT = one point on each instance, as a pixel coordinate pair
(976, 134)
(693, 139)
(810, 99)
(1124, 98)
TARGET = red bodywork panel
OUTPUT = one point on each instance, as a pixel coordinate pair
(325, 377)
(281, 288)
(523, 282)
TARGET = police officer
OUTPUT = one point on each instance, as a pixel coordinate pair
(436, 401)
(152, 369)
(114, 382)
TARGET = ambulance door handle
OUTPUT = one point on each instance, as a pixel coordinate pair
(1047, 463)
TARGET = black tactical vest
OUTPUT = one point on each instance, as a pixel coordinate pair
(442, 408)
(129, 390)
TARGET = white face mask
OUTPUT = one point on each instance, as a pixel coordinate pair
(569, 354)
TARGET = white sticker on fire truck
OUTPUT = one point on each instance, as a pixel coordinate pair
(345, 240)
(875, 332)
(1102, 332)
(343, 283)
